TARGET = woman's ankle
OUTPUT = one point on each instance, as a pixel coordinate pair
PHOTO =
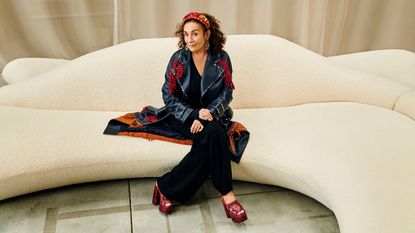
(229, 197)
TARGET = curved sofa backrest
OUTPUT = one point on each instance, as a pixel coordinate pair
(268, 71)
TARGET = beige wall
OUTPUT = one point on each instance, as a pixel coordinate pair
(70, 28)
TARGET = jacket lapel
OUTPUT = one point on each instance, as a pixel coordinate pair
(211, 71)
(184, 82)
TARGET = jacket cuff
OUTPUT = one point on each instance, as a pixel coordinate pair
(214, 113)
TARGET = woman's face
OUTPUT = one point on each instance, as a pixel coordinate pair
(194, 37)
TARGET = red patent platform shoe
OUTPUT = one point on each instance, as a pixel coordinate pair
(235, 211)
(166, 205)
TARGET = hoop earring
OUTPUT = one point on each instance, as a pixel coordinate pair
(207, 45)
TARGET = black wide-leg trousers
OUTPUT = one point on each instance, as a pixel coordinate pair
(208, 157)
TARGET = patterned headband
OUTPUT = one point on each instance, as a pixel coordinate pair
(199, 17)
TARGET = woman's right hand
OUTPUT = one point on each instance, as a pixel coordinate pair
(196, 126)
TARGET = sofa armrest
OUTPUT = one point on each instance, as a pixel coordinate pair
(24, 68)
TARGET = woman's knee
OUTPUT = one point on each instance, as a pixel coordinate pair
(213, 127)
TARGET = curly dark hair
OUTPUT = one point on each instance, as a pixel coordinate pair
(217, 38)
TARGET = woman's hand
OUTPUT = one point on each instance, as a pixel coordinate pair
(204, 114)
(196, 127)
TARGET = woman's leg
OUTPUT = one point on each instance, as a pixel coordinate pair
(183, 181)
(208, 156)
(219, 161)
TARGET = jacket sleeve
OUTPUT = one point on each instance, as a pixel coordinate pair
(219, 105)
(175, 105)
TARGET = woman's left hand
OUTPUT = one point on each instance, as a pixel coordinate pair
(196, 127)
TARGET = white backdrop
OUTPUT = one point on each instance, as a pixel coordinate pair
(70, 28)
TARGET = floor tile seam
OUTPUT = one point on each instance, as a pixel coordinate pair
(93, 212)
(140, 207)
(51, 220)
(207, 217)
(129, 203)
(208, 223)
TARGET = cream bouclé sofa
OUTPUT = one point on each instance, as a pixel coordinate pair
(338, 129)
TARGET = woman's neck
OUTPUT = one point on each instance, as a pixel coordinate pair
(199, 54)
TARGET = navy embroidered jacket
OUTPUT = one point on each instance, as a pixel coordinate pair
(216, 86)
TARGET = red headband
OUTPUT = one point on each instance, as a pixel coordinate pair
(199, 17)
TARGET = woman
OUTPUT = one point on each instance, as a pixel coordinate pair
(197, 92)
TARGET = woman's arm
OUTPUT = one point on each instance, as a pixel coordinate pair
(219, 105)
(176, 106)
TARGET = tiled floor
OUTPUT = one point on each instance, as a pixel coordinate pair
(125, 206)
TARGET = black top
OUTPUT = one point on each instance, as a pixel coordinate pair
(193, 94)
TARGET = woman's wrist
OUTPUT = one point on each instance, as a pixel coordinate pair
(202, 121)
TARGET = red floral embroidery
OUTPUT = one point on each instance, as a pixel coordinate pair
(228, 75)
(176, 72)
(151, 118)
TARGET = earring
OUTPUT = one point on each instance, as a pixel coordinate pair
(186, 48)
(207, 45)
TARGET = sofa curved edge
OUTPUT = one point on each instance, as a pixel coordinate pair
(389, 106)
(405, 104)
(63, 176)
(2, 81)
(263, 173)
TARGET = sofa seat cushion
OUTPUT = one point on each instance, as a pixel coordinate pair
(354, 158)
